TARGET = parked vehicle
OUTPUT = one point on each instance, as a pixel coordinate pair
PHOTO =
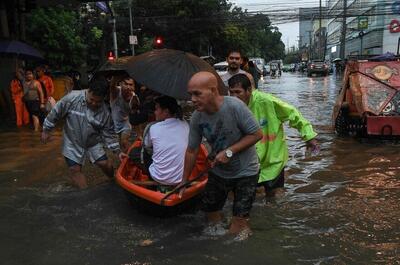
(267, 69)
(317, 67)
(286, 68)
(209, 59)
(221, 67)
(260, 63)
(369, 102)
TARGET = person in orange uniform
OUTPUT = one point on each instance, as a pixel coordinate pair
(17, 93)
(48, 83)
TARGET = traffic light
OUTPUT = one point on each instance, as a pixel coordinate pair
(158, 42)
(111, 56)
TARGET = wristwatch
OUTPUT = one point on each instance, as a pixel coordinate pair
(228, 153)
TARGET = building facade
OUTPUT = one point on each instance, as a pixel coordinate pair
(311, 37)
(306, 18)
(367, 27)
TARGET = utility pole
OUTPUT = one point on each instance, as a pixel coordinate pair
(320, 30)
(114, 30)
(130, 20)
(343, 37)
(325, 44)
(310, 47)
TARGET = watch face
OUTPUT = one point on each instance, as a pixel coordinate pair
(228, 153)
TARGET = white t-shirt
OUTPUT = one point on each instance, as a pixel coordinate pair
(225, 77)
(169, 139)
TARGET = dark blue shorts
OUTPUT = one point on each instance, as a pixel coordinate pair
(217, 189)
(71, 163)
(278, 182)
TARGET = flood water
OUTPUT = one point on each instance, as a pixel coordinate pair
(339, 207)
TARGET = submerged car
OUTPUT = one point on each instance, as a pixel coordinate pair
(317, 67)
(369, 102)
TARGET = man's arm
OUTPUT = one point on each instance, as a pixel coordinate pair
(287, 112)
(244, 143)
(110, 137)
(113, 87)
(56, 113)
(51, 87)
(41, 94)
(249, 127)
(190, 161)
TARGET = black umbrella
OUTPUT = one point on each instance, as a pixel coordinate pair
(112, 67)
(168, 71)
(118, 64)
(20, 49)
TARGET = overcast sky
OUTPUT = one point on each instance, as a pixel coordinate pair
(290, 31)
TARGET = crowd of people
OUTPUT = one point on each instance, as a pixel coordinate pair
(32, 94)
(244, 132)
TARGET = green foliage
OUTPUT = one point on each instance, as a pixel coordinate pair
(292, 57)
(57, 33)
(97, 33)
(70, 38)
(197, 25)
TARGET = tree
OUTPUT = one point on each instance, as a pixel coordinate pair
(57, 33)
(70, 38)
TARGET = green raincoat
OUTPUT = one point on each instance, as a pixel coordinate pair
(272, 150)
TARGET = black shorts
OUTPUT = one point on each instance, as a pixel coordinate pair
(277, 182)
(33, 107)
(217, 189)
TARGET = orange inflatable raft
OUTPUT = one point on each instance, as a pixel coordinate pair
(136, 183)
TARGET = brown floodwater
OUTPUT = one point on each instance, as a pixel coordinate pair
(341, 206)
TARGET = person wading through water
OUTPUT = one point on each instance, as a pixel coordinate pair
(231, 130)
(87, 127)
(271, 113)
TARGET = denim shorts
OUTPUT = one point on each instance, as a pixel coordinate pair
(217, 189)
(71, 163)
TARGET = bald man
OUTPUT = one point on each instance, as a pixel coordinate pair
(232, 132)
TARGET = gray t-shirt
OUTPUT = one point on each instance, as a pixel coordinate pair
(225, 77)
(223, 129)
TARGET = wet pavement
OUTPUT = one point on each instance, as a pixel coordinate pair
(340, 207)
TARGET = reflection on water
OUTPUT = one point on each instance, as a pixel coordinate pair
(341, 207)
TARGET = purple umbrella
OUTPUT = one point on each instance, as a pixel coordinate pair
(21, 49)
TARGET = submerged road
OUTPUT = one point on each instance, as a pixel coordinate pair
(339, 207)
